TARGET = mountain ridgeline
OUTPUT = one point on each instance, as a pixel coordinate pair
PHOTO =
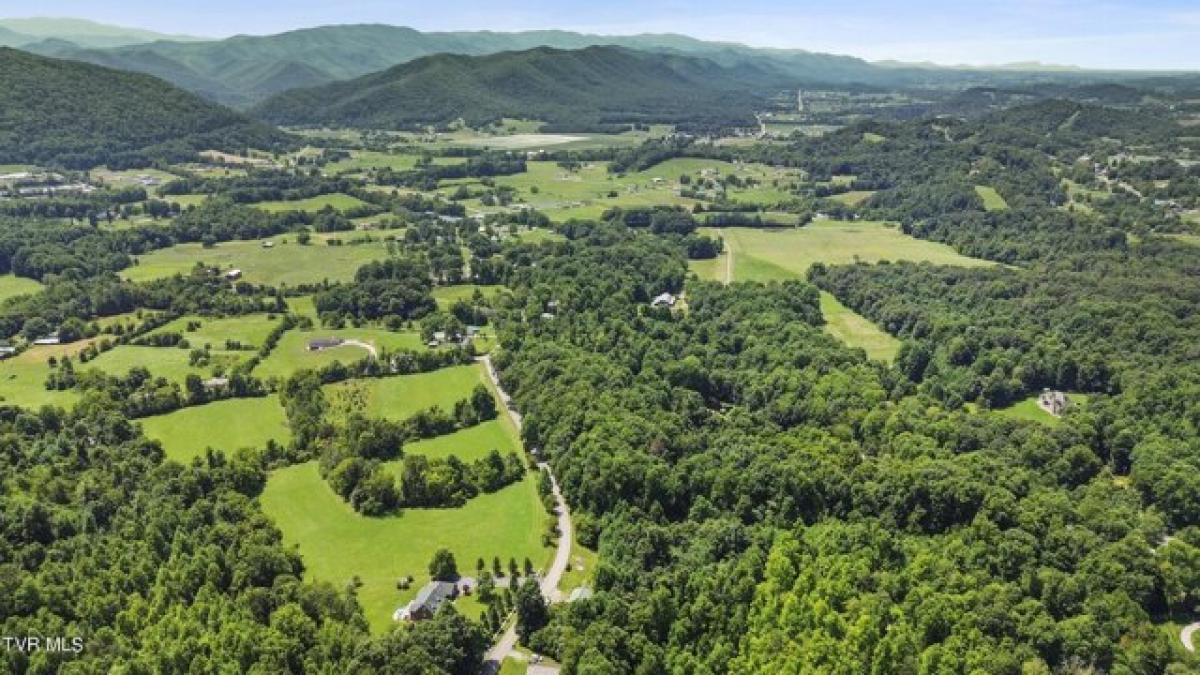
(76, 115)
(591, 89)
(245, 69)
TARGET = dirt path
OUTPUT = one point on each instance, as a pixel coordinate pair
(728, 258)
(562, 555)
(1185, 635)
(363, 345)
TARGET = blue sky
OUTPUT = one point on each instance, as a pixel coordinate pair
(1109, 34)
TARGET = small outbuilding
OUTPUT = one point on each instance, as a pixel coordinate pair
(317, 344)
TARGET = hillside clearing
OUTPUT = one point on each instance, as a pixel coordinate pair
(856, 331)
(223, 425)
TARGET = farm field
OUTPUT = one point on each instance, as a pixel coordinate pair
(223, 425)
(337, 200)
(584, 193)
(400, 397)
(250, 330)
(765, 255)
(853, 197)
(23, 377)
(12, 286)
(992, 201)
(362, 160)
(712, 269)
(292, 352)
(857, 331)
(1028, 409)
(448, 295)
(338, 544)
(468, 444)
(170, 363)
(287, 263)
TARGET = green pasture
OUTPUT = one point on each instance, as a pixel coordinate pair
(224, 425)
(292, 353)
(468, 444)
(400, 397)
(992, 201)
(249, 329)
(856, 331)
(336, 200)
(339, 545)
(1029, 410)
(286, 263)
(12, 286)
(23, 377)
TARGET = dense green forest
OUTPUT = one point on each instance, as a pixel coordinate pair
(76, 115)
(575, 90)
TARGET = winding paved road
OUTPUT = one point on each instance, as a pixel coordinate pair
(562, 555)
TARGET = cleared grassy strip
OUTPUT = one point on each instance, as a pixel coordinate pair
(224, 425)
(337, 200)
(765, 255)
(339, 545)
(992, 201)
(171, 363)
(856, 331)
(448, 295)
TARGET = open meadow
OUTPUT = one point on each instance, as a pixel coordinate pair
(856, 331)
(23, 377)
(766, 255)
(336, 200)
(400, 397)
(992, 201)
(285, 263)
(222, 425)
(292, 353)
(339, 545)
(1029, 410)
(12, 286)
(250, 330)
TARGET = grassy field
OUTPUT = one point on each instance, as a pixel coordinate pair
(398, 398)
(249, 330)
(292, 353)
(167, 362)
(338, 544)
(582, 569)
(362, 160)
(1028, 409)
(712, 269)
(287, 263)
(448, 295)
(337, 200)
(223, 425)
(856, 331)
(468, 445)
(12, 286)
(766, 255)
(23, 377)
(588, 192)
(853, 197)
(992, 201)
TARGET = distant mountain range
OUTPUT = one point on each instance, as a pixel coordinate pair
(570, 89)
(77, 115)
(75, 34)
(244, 70)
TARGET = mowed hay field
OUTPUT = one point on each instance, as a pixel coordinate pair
(249, 330)
(338, 544)
(12, 286)
(336, 200)
(287, 263)
(856, 331)
(992, 201)
(768, 255)
(223, 425)
(400, 397)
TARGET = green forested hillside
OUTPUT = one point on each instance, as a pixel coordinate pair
(570, 89)
(77, 115)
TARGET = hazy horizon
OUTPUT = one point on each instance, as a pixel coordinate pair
(1157, 35)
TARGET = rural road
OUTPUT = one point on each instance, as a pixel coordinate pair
(1185, 635)
(562, 555)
